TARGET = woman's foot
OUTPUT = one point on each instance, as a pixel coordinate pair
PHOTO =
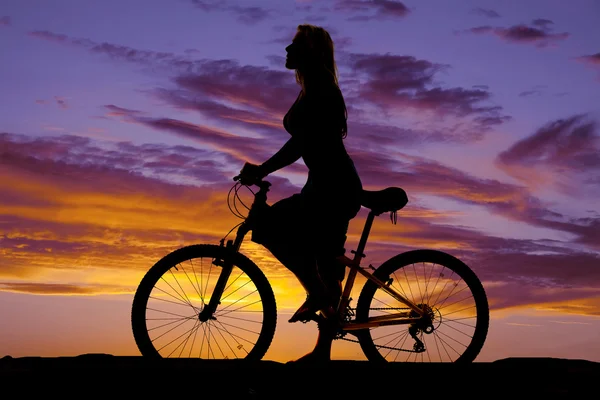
(326, 302)
(308, 310)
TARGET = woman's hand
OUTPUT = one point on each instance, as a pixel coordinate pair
(251, 174)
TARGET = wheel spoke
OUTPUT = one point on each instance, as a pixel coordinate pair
(237, 327)
(178, 325)
(418, 285)
(172, 322)
(194, 340)
(166, 312)
(412, 297)
(199, 288)
(456, 302)
(238, 300)
(242, 325)
(456, 310)
(450, 295)
(192, 283)
(428, 279)
(182, 298)
(221, 313)
(225, 339)
(235, 337)
(208, 277)
(462, 323)
(239, 319)
(179, 303)
(385, 304)
(399, 282)
(178, 284)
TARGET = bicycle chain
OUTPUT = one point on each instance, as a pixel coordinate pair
(378, 345)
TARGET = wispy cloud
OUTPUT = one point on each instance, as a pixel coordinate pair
(5, 21)
(486, 12)
(536, 90)
(121, 53)
(565, 152)
(63, 288)
(246, 14)
(61, 102)
(399, 82)
(116, 111)
(539, 33)
(593, 59)
(366, 10)
(571, 322)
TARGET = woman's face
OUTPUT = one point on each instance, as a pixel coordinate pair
(295, 52)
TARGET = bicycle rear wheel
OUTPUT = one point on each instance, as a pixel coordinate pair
(458, 312)
(167, 318)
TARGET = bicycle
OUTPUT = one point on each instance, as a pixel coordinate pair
(232, 305)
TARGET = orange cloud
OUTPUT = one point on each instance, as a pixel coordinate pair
(60, 288)
(79, 218)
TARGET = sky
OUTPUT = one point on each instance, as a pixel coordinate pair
(123, 122)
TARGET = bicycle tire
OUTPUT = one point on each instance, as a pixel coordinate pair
(402, 262)
(256, 284)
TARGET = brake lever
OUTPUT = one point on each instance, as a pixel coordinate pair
(245, 182)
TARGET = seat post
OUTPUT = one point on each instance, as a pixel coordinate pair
(364, 236)
(357, 257)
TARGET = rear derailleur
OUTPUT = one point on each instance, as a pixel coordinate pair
(425, 325)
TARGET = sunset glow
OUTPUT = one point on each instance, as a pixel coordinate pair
(122, 125)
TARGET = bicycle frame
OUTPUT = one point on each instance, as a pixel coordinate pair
(353, 264)
(355, 268)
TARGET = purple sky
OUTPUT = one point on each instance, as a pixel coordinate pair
(486, 112)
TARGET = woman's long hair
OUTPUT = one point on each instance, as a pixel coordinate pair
(319, 67)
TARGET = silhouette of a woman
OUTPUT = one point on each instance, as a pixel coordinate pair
(307, 231)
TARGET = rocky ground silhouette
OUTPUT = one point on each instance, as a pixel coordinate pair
(116, 376)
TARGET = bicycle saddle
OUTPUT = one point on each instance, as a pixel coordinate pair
(390, 199)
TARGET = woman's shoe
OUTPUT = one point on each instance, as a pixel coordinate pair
(308, 310)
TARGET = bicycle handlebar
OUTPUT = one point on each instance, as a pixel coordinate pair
(260, 183)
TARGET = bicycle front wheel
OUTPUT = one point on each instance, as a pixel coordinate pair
(167, 313)
(456, 324)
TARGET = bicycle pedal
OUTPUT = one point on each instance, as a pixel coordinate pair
(305, 318)
(314, 317)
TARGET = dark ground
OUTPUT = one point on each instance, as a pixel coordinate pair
(99, 375)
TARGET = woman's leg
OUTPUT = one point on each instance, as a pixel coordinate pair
(329, 244)
(285, 232)
(331, 226)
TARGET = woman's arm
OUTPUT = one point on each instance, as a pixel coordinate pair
(288, 154)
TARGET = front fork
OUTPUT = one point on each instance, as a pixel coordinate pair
(232, 247)
(226, 267)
